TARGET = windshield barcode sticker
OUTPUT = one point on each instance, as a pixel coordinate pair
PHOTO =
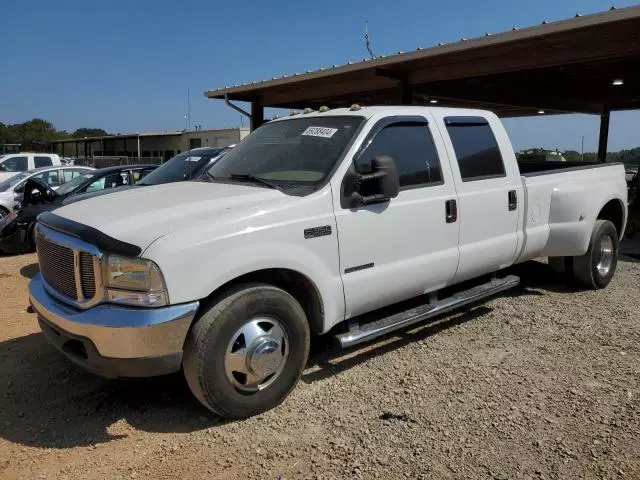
(324, 132)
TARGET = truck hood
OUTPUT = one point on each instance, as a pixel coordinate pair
(141, 215)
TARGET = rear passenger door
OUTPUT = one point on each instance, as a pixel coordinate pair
(403, 247)
(487, 197)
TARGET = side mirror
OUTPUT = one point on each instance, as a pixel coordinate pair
(382, 184)
(35, 193)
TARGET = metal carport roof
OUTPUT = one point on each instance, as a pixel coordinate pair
(564, 66)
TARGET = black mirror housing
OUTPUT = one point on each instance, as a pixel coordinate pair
(382, 184)
(389, 180)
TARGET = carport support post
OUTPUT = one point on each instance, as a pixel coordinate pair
(62, 143)
(604, 136)
(138, 148)
(406, 93)
(257, 115)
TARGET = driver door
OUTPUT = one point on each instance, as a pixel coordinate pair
(406, 246)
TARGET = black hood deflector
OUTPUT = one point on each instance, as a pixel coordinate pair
(102, 241)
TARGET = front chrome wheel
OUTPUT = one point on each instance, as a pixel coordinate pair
(605, 259)
(256, 354)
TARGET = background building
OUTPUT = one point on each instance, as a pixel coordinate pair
(148, 147)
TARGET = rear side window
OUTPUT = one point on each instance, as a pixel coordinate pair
(14, 164)
(410, 145)
(51, 179)
(42, 162)
(476, 148)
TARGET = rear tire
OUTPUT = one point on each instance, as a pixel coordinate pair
(596, 267)
(245, 353)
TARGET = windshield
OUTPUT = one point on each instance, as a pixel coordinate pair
(295, 152)
(10, 182)
(75, 183)
(181, 167)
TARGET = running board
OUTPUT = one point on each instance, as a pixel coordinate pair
(362, 333)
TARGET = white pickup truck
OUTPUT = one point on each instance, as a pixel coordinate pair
(13, 163)
(353, 221)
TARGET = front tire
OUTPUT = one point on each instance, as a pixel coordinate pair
(596, 268)
(246, 352)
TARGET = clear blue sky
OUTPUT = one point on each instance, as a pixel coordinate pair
(125, 66)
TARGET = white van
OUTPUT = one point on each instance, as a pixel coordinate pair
(14, 163)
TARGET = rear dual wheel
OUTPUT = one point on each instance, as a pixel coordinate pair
(596, 267)
(245, 353)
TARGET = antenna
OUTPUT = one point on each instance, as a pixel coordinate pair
(366, 40)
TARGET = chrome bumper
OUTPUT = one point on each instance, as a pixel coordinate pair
(117, 332)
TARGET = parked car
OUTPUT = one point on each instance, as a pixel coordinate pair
(12, 189)
(353, 223)
(14, 163)
(17, 235)
(188, 165)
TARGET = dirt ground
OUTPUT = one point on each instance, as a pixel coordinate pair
(540, 383)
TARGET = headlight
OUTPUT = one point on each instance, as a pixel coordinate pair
(134, 281)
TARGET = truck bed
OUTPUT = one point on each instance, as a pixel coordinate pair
(562, 204)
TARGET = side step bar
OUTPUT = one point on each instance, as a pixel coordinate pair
(362, 333)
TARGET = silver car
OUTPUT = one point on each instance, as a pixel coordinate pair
(12, 189)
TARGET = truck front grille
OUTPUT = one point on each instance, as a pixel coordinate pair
(87, 276)
(69, 271)
(57, 267)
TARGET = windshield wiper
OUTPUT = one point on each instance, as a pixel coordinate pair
(254, 179)
(204, 177)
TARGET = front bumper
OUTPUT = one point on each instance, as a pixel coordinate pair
(115, 341)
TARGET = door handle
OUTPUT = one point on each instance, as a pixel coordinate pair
(451, 211)
(513, 200)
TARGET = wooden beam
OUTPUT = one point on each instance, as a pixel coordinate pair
(327, 88)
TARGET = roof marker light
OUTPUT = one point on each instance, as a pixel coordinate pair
(307, 110)
(618, 81)
(323, 108)
(433, 100)
(355, 107)
(540, 112)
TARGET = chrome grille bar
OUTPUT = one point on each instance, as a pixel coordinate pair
(70, 267)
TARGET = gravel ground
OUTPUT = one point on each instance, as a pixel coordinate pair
(543, 382)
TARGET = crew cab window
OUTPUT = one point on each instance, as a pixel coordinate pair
(411, 146)
(476, 148)
(15, 164)
(42, 162)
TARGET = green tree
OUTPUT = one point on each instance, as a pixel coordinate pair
(89, 132)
